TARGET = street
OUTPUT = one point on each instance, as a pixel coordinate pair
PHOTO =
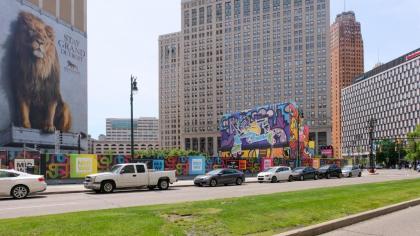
(403, 222)
(71, 202)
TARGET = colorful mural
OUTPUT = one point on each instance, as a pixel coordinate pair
(268, 131)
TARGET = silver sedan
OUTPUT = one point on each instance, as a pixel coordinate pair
(351, 171)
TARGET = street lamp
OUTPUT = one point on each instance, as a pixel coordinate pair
(300, 115)
(372, 123)
(133, 89)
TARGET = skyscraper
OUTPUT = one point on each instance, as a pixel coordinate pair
(73, 12)
(238, 54)
(169, 90)
(346, 64)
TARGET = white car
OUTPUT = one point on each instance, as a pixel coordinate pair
(275, 174)
(351, 171)
(19, 185)
(131, 175)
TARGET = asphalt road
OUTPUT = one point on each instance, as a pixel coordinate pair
(61, 203)
(405, 222)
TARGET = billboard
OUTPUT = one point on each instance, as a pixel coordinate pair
(262, 127)
(43, 71)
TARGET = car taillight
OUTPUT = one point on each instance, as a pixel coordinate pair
(41, 179)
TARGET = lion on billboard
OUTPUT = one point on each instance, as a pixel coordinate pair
(36, 77)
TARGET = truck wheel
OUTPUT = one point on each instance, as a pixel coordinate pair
(20, 192)
(163, 184)
(360, 174)
(107, 187)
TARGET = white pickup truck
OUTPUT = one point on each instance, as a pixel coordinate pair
(132, 175)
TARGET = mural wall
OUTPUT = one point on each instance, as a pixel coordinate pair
(77, 166)
(266, 132)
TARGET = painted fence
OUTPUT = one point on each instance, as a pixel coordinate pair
(76, 166)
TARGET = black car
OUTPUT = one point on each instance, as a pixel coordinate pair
(302, 173)
(220, 176)
(329, 171)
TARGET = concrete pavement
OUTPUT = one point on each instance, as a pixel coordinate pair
(61, 203)
(405, 222)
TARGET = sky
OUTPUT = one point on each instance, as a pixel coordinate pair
(123, 41)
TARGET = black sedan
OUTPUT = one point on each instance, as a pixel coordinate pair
(329, 171)
(219, 177)
(302, 173)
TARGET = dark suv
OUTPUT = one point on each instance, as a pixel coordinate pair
(329, 171)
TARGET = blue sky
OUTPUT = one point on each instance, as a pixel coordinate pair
(123, 40)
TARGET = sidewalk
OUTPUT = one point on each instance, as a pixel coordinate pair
(79, 188)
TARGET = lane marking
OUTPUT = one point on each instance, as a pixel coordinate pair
(29, 207)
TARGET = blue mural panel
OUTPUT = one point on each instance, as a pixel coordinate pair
(197, 165)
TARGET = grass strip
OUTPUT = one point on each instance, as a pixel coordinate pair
(255, 215)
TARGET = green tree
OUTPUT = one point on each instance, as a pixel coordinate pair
(413, 147)
(387, 153)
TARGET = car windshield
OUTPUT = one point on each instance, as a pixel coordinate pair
(214, 172)
(115, 169)
(270, 170)
(324, 167)
(299, 169)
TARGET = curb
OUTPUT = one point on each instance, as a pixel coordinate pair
(349, 220)
(86, 190)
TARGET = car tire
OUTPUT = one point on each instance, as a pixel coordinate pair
(19, 192)
(290, 179)
(163, 184)
(315, 177)
(350, 175)
(151, 187)
(328, 176)
(274, 179)
(213, 183)
(239, 181)
(107, 187)
(360, 174)
(302, 178)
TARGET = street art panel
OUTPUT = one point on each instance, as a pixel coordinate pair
(57, 166)
(82, 165)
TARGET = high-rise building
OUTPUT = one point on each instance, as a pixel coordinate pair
(118, 136)
(146, 129)
(169, 90)
(73, 12)
(238, 54)
(389, 93)
(346, 63)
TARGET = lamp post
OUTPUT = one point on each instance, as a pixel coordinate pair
(133, 89)
(372, 123)
(300, 115)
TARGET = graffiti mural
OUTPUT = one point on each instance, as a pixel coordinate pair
(271, 131)
(262, 127)
(57, 166)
